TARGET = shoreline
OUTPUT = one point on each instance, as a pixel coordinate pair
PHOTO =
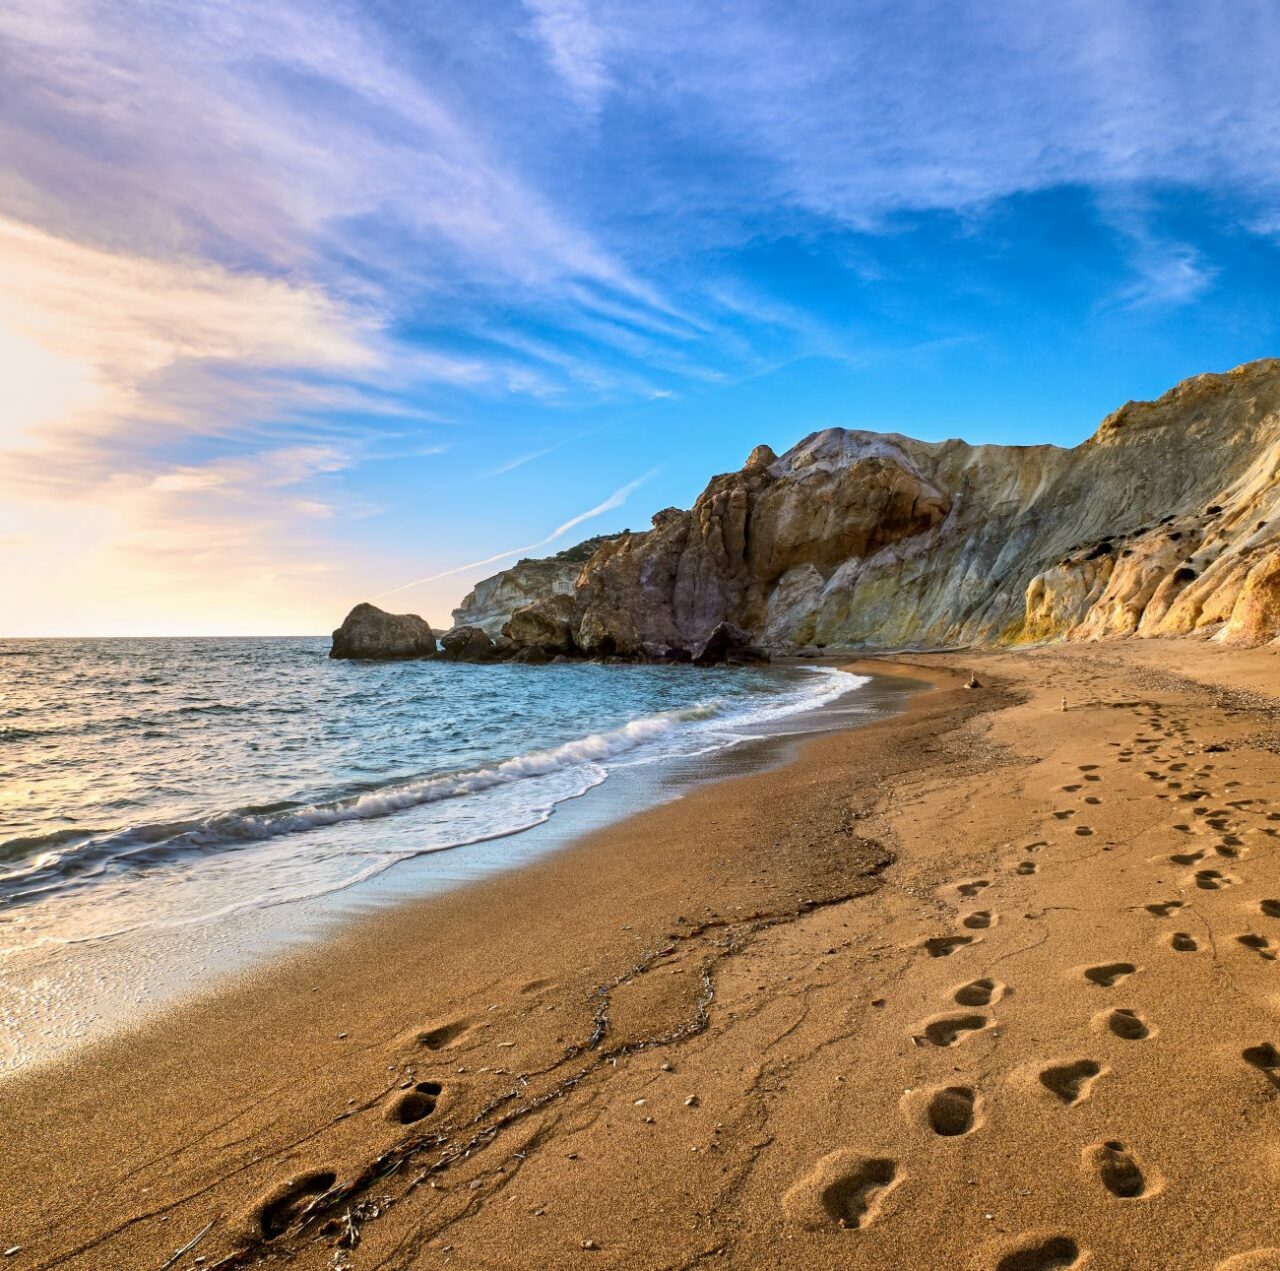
(723, 1028)
(117, 983)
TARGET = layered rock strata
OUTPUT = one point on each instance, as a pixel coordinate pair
(491, 602)
(1165, 521)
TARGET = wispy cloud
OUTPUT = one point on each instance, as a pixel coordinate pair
(1168, 275)
(89, 334)
(612, 503)
(233, 228)
(575, 44)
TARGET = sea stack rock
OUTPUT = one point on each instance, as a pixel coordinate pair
(370, 633)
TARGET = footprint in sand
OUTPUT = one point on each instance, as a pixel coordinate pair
(1254, 1260)
(1212, 880)
(1124, 1023)
(946, 1030)
(281, 1207)
(951, 1111)
(979, 921)
(945, 946)
(1270, 908)
(1183, 942)
(1071, 1082)
(1065, 813)
(1083, 831)
(970, 890)
(1118, 1170)
(439, 1036)
(412, 1105)
(1071, 789)
(1108, 973)
(1259, 944)
(1093, 800)
(1042, 1253)
(1027, 867)
(1164, 908)
(1265, 1057)
(982, 992)
(843, 1189)
(1186, 858)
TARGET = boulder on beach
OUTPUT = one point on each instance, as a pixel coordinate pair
(370, 633)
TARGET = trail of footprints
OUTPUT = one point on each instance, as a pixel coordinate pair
(849, 1190)
(293, 1199)
(954, 1111)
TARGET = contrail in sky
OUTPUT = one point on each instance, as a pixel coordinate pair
(615, 500)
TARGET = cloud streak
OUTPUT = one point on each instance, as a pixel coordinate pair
(575, 45)
(231, 231)
(613, 502)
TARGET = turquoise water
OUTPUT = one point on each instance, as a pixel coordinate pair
(152, 784)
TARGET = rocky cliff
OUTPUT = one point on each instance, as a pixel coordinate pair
(489, 604)
(1165, 521)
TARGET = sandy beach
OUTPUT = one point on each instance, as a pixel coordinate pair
(992, 985)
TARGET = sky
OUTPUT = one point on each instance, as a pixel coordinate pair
(308, 304)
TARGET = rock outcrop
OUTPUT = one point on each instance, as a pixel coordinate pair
(468, 644)
(369, 633)
(491, 603)
(550, 624)
(727, 643)
(1166, 521)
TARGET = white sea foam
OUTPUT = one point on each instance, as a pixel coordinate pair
(172, 810)
(107, 884)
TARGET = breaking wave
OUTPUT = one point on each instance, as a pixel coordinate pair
(43, 865)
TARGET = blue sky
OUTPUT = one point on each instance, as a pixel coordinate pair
(301, 303)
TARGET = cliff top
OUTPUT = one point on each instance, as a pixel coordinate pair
(1198, 391)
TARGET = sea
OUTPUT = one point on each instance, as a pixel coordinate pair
(174, 809)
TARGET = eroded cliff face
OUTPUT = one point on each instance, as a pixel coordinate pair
(490, 603)
(1164, 522)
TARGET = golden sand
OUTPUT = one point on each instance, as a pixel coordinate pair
(990, 985)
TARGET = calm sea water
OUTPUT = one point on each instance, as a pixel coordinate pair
(148, 784)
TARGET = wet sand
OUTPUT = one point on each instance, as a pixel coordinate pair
(55, 999)
(991, 984)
